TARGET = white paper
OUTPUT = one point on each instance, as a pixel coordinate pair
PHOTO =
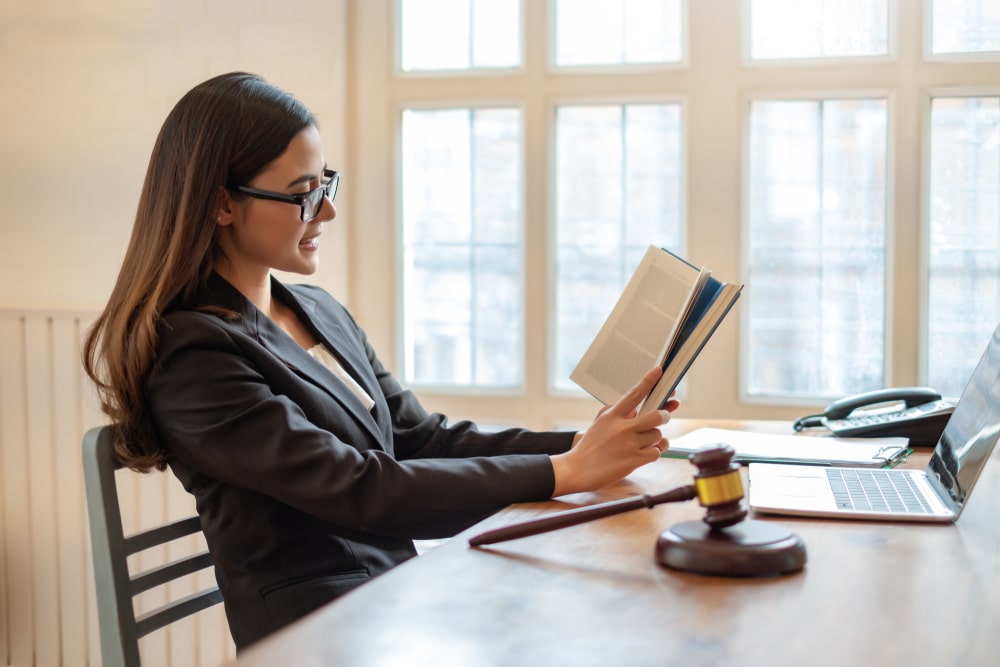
(769, 447)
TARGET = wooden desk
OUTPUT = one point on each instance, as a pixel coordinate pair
(594, 595)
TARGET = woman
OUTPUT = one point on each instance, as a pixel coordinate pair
(313, 469)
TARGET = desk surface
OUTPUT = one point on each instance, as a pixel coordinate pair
(593, 594)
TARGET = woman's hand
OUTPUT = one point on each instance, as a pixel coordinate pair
(616, 443)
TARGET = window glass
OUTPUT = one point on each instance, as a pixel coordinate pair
(618, 189)
(818, 28)
(462, 255)
(796, 183)
(613, 32)
(460, 34)
(965, 26)
(816, 260)
(964, 244)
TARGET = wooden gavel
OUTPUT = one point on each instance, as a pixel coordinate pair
(717, 486)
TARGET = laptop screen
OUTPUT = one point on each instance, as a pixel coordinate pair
(973, 429)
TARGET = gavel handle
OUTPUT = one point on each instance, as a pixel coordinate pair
(580, 515)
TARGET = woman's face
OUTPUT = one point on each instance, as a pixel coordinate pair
(258, 235)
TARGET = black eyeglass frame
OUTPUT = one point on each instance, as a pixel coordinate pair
(328, 189)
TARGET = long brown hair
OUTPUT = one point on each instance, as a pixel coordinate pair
(221, 134)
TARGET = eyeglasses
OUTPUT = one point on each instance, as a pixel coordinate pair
(311, 202)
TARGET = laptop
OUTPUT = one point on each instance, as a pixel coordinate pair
(938, 493)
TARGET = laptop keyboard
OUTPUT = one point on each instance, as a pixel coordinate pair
(876, 490)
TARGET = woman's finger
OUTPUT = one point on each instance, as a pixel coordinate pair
(634, 396)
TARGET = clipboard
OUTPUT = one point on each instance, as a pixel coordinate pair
(800, 449)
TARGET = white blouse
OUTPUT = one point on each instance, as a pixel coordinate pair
(321, 354)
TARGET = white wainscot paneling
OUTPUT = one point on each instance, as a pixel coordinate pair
(48, 616)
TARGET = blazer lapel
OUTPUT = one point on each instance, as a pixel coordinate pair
(330, 332)
(271, 336)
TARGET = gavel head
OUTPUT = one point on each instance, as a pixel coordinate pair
(719, 486)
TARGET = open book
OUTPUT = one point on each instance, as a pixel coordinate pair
(667, 312)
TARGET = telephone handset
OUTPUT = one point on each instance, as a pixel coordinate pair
(921, 418)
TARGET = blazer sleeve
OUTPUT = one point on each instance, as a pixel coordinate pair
(225, 410)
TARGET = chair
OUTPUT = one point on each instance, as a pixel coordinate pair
(120, 629)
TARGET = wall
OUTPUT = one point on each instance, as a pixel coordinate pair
(84, 87)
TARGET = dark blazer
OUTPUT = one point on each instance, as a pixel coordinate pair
(303, 493)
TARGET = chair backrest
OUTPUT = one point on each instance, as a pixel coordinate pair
(120, 628)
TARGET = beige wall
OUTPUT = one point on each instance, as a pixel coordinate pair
(84, 87)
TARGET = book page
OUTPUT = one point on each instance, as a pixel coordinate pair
(644, 320)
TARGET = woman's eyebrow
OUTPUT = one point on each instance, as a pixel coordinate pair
(305, 178)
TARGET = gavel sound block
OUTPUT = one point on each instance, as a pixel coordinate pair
(722, 543)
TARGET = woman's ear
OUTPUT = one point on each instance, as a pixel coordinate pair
(225, 211)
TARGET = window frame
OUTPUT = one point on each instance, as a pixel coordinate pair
(397, 53)
(617, 68)
(952, 58)
(891, 55)
(399, 241)
(815, 95)
(551, 212)
(928, 95)
(714, 86)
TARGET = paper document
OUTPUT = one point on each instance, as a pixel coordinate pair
(816, 450)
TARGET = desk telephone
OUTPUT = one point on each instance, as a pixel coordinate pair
(921, 418)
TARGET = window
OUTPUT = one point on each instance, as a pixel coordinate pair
(618, 189)
(817, 257)
(461, 232)
(508, 170)
(818, 28)
(616, 32)
(965, 26)
(459, 34)
(963, 296)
